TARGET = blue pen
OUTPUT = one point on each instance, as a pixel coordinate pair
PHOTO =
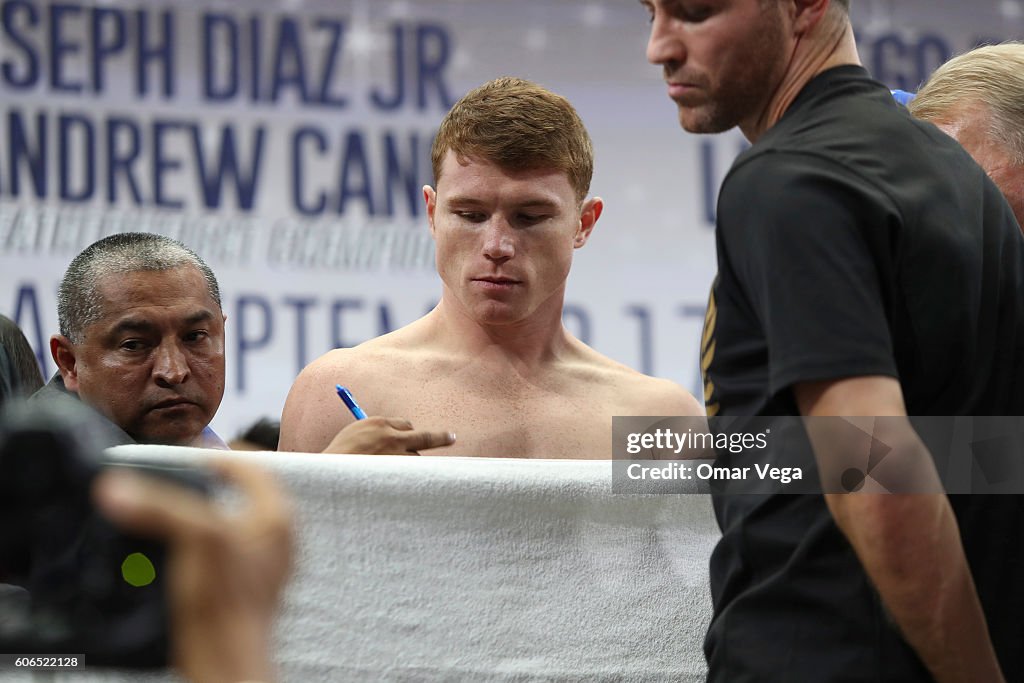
(346, 396)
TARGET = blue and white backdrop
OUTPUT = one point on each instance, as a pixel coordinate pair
(287, 143)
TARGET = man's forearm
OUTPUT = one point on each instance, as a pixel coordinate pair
(909, 544)
(910, 547)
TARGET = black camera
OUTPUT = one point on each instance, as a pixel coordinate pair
(75, 583)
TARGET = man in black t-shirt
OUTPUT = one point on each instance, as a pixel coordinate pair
(867, 267)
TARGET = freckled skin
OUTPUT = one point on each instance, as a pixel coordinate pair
(154, 362)
(493, 362)
(494, 406)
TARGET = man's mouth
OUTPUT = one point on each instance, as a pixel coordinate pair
(496, 282)
(677, 90)
(499, 280)
(172, 403)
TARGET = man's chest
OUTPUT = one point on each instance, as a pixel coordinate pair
(507, 421)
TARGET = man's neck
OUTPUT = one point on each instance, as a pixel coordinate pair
(828, 45)
(529, 344)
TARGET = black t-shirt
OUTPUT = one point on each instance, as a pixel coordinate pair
(854, 240)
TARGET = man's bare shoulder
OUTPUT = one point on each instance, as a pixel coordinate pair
(638, 394)
(371, 364)
(338, 366)
(311, 416)
(373, 371)
(390, 353)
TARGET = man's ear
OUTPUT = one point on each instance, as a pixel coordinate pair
(589, 214)
(807, 14)
(430, 199)
(63, 352)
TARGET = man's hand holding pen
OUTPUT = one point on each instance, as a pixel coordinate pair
(386, 436)
(382, 435)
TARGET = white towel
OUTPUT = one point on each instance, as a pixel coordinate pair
(478, 569)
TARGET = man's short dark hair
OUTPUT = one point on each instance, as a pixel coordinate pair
(78, 302)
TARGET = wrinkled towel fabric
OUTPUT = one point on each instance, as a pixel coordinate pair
(479, 569)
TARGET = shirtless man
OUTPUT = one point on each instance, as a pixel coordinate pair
(493, 362)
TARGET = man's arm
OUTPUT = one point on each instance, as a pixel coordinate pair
(313, 414)
(683, 403)
(645, 395)
(909, 545)
(658, 396)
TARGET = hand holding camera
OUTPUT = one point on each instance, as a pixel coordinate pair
(71, 522)
(226, 570)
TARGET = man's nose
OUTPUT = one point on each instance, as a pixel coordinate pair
(663, 46)
(499, 240)
(170, 367)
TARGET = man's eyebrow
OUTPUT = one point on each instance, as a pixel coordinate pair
(538, 204)
(132, 325)
(532, 202)
(202, 316)
(143, 325)
(464, 200)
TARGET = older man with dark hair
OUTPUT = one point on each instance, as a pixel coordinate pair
(142, 343)
(141, 340)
